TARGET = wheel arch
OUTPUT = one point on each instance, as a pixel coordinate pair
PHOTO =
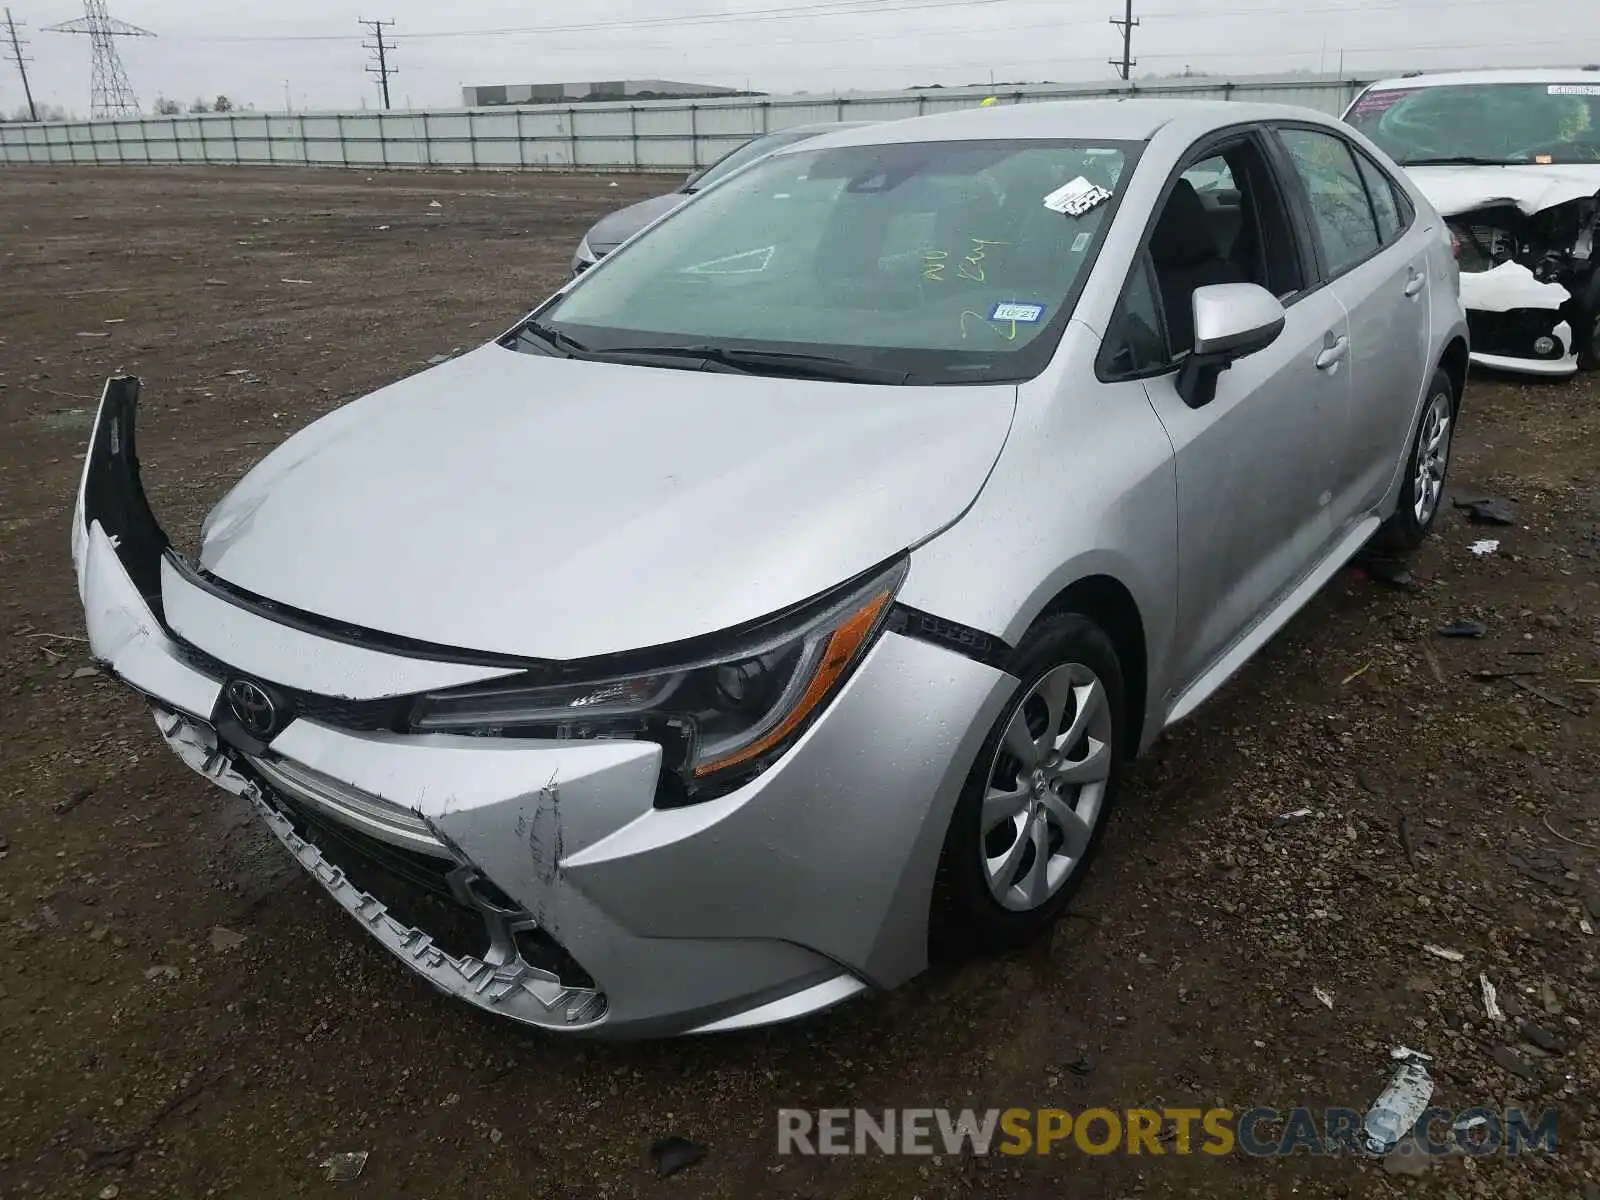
(1453, 362)
(1107, 602)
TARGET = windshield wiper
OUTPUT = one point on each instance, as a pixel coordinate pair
(554, 339)
(1455, 160)
(770, 362)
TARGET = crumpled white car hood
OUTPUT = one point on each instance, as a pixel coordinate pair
(1459, 190)
(1462, 189)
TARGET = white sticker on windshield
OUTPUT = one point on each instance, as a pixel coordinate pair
(1574, 89)
(1076, 198)
(1081, 242)
(1023, 314)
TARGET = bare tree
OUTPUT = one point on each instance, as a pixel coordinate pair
(222, 104)
(167, 108)
(199, 106)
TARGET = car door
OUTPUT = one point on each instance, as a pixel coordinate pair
(1256, 466)
(1381, 277)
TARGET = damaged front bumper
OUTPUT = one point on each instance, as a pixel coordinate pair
(1529, 284)
(536, 879)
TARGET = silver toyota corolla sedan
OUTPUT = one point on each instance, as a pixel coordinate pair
(778, 604)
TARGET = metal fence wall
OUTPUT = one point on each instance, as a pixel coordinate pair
(651, 135)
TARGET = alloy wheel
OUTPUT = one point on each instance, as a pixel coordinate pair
(1046, 787)
(1433, 457)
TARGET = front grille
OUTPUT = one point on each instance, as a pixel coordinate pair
(1512, 334)
(414, 887)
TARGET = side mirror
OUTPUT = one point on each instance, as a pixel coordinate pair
(1231, 321)
(690, 181)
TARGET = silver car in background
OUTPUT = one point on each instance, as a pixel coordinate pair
(611, 230)
(778, 606)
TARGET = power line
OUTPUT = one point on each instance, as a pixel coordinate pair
(1191, 56)
(829, 8)
(383, 70)
(16, 57)
(857, 8)
(110, 94)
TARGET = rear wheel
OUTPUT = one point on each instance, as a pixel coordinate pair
(1033, 810)
(1422, 495)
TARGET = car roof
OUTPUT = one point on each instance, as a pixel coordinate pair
(1134, 120)
(1497, 75)
(818, 127)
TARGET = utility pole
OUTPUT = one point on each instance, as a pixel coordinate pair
(381, 48)
(1127, 62)
(16, 57)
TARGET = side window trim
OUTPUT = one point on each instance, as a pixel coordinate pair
(1286, 163)
(1404, 210)
(1103, 373)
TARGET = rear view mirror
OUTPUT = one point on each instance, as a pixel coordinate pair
(1231, 321)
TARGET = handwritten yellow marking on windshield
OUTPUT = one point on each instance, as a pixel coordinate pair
(970, 266)
(1010, 334)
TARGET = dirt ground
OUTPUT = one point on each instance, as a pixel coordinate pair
(140, 1060)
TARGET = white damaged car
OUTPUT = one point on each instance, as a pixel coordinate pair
(1511, 159)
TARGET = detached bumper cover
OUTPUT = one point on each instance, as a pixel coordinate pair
(805, 887)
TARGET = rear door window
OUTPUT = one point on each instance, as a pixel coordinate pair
(1341, 213)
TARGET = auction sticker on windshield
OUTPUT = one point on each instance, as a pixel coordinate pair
(1077, 198)
(1574, 89)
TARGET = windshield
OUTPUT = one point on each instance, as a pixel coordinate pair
(951, 262)
(747, 153)
(1499, 123)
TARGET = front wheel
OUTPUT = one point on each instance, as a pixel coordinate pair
(1031, 815)
(1589, 335)
(1426, 468)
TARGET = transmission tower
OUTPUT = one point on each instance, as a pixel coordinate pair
(381, 51)
(22, 64)
(1126, 22)
(109, 92)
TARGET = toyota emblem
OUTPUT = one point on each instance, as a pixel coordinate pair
(253, 707)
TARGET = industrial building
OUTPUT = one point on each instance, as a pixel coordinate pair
(566, 93)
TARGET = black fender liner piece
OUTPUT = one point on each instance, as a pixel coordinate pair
(952, 635)
(114, 496)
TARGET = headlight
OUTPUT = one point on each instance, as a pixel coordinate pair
(721, 719)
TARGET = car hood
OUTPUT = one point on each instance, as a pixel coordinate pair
(556, 508)
(1461, 189)
(612, 230)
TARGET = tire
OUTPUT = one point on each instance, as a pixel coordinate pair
(1587, 330)
(1409, 525)
(1067, 659)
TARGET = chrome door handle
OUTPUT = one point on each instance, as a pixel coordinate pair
(1415, 283)
(1333, 354)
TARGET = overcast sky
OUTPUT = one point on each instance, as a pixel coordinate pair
(312, 48)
